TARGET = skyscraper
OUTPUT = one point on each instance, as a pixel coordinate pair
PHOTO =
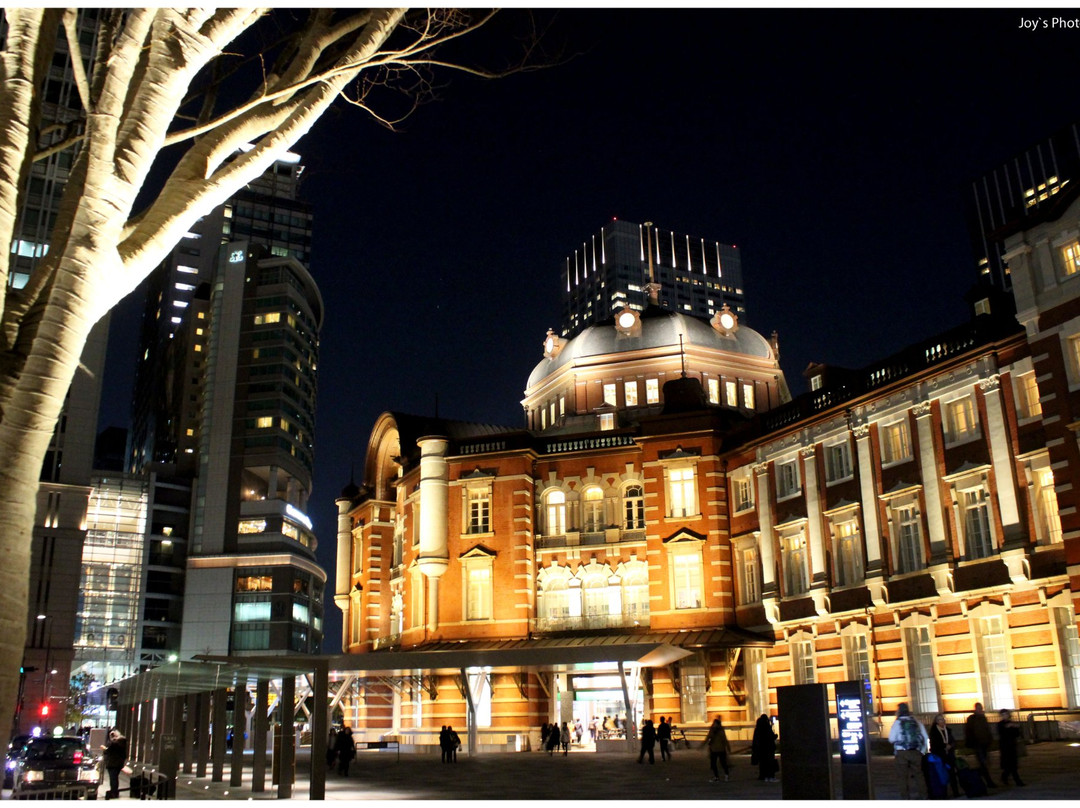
(612, 269)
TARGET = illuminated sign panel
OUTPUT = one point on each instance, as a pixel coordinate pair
(851, 722)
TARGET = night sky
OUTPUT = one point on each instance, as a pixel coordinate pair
(834, 147)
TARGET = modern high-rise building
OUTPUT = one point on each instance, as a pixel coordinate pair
(1017, 193)
(614, 268)
(253, 584)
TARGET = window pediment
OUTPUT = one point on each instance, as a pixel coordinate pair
(965, 469)
(679, 453)
(478, 551)
(900, 489)
(479, 474)
(684, 536)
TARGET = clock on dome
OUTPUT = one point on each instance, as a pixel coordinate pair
(725, 321)
(552, 344)
(627, 322)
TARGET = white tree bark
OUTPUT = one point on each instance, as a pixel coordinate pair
(143, 73)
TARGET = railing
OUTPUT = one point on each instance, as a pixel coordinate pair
(389, 641)
(575, 539)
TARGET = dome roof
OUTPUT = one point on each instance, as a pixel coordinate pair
(660, 328)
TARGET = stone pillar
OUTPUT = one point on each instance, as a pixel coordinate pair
(769, 590)
(202, 733)
(434, 505)
(320, 730)
(258, 737)
(287, 752)
(239, 721)
(931, 480)
(219, 718)
(187, 733)
(1001, 460)
(819, 584)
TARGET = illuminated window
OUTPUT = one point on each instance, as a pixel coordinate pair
(246, 612)
(267, 318)
(731, 394)
(248, 526)
(634, 507)
(922, 685)
(630, 391)
(190, 433)
(290, 530)
(747, 570)
(479, 509)
(793, 561)
(1048, 517)
(562, 406)
(1069, 647)
(197, 348)
(592, 510)
(895, 442)
(254, 583)
(802, 661)
(265, 422)
(992, 642)
(1070, 256)
(975, 507)
(1027, 390)
(848, 562)
(909, 552)
(856, 656)
(815, 382)
(687, 581)
(609, 395)
(748, 396)
(1073, 357)
(682, 495)
(960, 419)
(478, 595)
(743, 492)
(555, 503)
(652, 391)
(607, 421)
(714, 391)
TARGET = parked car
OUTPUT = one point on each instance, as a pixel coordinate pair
(56, 762)
(13, 751)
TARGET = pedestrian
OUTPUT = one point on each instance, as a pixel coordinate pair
(763, 749)
(455, 743)
(346, 750)
(977, 738)
(663, 735)
(564, 738)
(592, 729)
(719, 748)
(1008, 747)
(909, 741)
(544, 730)
(579, 730)
(552, 739)
(943, 745)
(115, 756)
(648, 741)
(444, 744)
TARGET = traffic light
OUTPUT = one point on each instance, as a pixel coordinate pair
(45, 710)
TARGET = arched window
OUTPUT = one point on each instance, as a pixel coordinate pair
(555, 594)
(634, 507)
(555, 513)
(635, 592)
(593, 510)
(595, 600)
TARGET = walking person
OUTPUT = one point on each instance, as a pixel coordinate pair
(1008, 743)
(564, 738)
(553, 739)
(909, 740)
(719, 748)
(115, 756)
(663, 735)
(444, 743)
(346, 750)
(977, 738)
(943, 745)
(648, 741)
(455, 743)
(763, 749)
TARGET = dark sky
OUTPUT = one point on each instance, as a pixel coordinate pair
(834, 147)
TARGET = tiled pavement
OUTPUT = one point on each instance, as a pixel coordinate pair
(1051, 771)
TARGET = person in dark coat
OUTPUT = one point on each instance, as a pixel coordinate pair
(444, 744)
(663, 735)
(553, 739)
(346, 750)
(455, 743)
(648, 741)
(763, 749)
(977, 738)
(943, 745)
(115, 756)
(1008, 741)
(544, 730)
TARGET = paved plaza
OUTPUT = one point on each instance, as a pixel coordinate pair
(1051, 771)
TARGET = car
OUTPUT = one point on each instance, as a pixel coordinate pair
(14, 750)
(56, 763)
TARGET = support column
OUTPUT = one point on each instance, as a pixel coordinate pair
(766, 547)
(930, 479)
(146, 725)
(819, 584)
(434, 505)
(286, 707)
(187, 732)
(258, 741)
(218, 719)
(470, 705)
(1001, 460)
(629, 724)
(320, 729)
(239, 721)
(875, 581)
(202, 733)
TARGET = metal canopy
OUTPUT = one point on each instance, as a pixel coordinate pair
(208, 672)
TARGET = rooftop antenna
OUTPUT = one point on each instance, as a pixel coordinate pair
(682, 356)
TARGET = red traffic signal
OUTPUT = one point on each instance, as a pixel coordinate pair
(44, 710)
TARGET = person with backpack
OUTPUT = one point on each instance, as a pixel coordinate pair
(909, 740)
(719, 748)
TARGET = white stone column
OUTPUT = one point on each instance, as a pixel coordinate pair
(931, 481)
(434, 508)
(1000, 458)
(765, 547)
(871, 526)
(813, 515)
